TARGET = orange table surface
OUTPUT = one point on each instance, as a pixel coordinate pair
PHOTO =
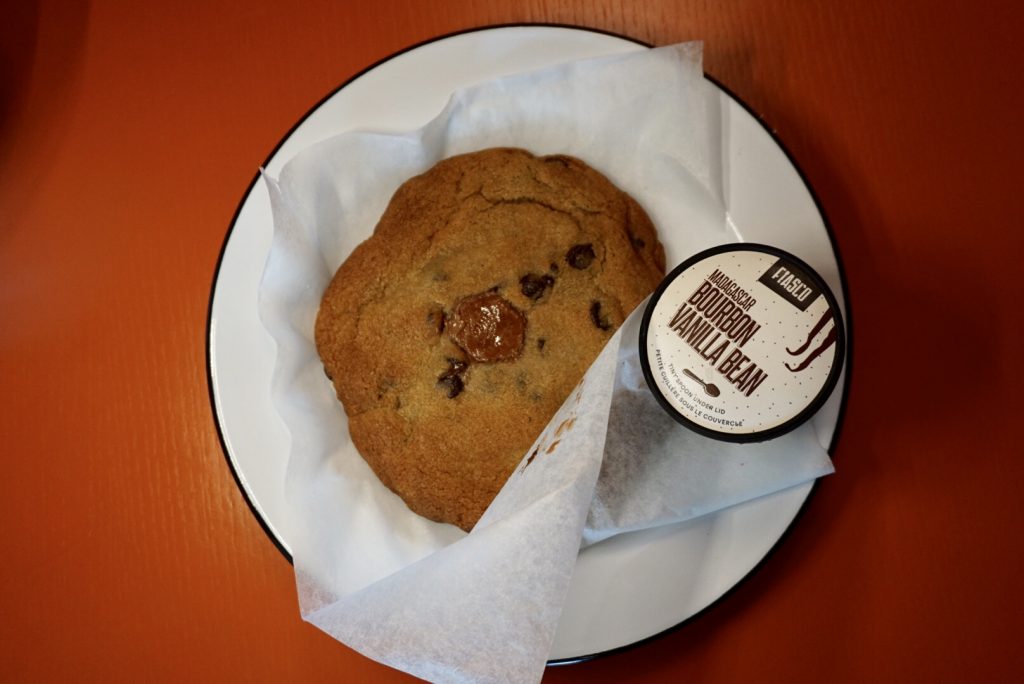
(128, 134)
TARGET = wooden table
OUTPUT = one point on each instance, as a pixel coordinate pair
(128, 133)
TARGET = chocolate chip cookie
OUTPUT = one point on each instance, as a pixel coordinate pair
(454, 333)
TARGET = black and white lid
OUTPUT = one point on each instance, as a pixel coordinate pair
(742, 342)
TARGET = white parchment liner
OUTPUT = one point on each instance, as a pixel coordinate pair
(427, 598)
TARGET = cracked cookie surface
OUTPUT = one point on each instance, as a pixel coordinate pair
(454, 333)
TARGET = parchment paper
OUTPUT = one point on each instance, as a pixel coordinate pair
(427, 598)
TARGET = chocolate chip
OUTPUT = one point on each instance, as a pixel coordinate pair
(639, 243)
(580, 256)
(541, 342)
(596, 317)
(451, 384)
(457, 366)
(533, 285)
(451, 380)
(435, 319)
(554, 267)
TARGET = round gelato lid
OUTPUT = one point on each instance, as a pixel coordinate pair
(742, 342)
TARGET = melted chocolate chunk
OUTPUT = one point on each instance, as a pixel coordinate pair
(596, 317)
(458, 366)
(541, 342)
(533, 285)
(580, 256)
(488, 328)
(451, 383)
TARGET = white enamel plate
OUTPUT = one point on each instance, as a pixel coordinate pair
(628, 588)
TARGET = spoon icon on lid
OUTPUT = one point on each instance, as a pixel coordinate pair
(711, 389)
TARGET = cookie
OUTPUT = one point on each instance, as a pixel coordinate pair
(454, 333)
